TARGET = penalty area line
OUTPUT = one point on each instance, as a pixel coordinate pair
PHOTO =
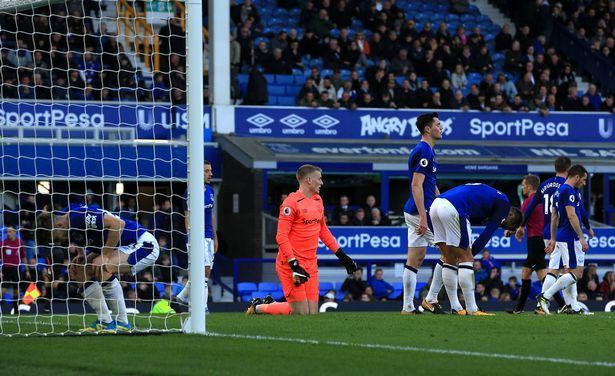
(474, 354)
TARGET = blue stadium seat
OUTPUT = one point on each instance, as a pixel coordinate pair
(243, 78)
(326, 72)
(284, 79)
(270, 78)
(246, 297)
(293, 90)
(326, 286)
(246, 287)
(176, 288)
(160, 287)
(277, 295)
(267, 286)
(287, 101)
(273, 100)
(397, 292)
(259, 294)
(276, 90)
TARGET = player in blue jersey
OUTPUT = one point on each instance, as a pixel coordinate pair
(544, 195)
(125, 247)
(450, 216)
(422, 168)
(211, 238)
(567, 238)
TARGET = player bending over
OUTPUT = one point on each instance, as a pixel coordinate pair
(567, 238)
(300, 224)
(544, 197)
(450, 216)
(422, 170)
(126, 248)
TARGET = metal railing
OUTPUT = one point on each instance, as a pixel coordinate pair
(139, 34)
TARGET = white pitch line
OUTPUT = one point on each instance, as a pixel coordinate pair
(418, 349)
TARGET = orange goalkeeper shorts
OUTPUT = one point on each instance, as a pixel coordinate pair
(305, 291)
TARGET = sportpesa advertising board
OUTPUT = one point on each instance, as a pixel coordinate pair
(392, 242)
(293, 122)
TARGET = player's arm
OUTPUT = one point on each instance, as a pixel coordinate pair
(553, 230)
(187, 221)
(214, 225)
(437, 192)
(419, 200)
(500, 212)
(286, 219)
(114, 226)
(327, 237)
(585, 220)
(576, 225)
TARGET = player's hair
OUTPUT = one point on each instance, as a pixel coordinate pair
(532, 180)
(576, 170)
(206, 162)
(425, 120)
(562, 164)
(305, 170)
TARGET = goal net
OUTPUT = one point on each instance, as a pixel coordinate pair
(93, 149)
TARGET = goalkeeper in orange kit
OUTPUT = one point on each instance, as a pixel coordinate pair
(301, 223)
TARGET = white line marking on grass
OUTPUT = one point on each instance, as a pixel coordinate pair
(418, 349)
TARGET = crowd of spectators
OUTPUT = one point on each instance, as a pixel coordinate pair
(393, 64)
(369, 214)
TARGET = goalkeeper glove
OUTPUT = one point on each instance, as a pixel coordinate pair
(346, 261)
(299, 274)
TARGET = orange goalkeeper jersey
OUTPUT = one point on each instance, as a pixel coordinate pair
(301, 223)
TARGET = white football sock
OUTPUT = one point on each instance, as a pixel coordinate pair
(561, 283)
(184, 295)
(409, 279)
(93, 295)
(436, 283)
(548, 282)
(114, 296)
(449, 278)
(574, 302)
(466, 281)
(206, 295)
(567, 292)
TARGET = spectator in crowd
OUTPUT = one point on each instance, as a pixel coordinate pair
(343, 206)
(13, 255)
(488, 262)
(458, 78)
(381, 288)
(377, 219)
(354, 285)
(607, 286)
(359, 218)
(343, 219)
(590, 275)
(512, 288)
(494, 294)
(480, 274)
(504, 41)
(481, 293)
(257, 93)
(494, 280)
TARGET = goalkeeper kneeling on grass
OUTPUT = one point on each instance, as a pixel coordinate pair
(126, 248)
(301, 223)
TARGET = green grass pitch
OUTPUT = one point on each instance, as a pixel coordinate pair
(330, 343)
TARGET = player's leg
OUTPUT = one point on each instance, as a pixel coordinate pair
(535, 261)
(312, 291)
(417, 246)
(131, 260)
(443, 218)
(296, 298)
(82, 271)
(563, 281)
(184, 295)
(577, 263)
(431, 303)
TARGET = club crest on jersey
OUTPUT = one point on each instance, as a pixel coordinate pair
(286, 211)
(571, 198)
(423, 162)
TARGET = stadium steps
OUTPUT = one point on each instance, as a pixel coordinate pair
(496, 16)
(110, 16)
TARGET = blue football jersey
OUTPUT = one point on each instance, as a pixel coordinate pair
(89, 221)
(566, 196)
(209, 209)
(544, 194)
(479, 202)
(423, 161)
